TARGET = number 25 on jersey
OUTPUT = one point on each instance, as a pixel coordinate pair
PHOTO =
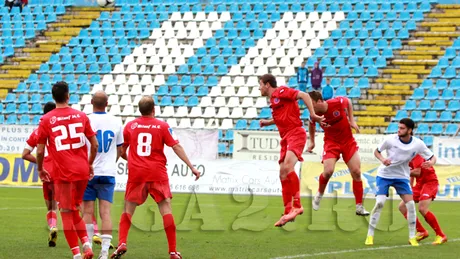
(71, 133)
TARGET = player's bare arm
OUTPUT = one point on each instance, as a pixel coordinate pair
(430, 162)
(351, 118)
(119, 151)
(311, 134)
(264, 123)
(42, 173)
(307, 100)
(415, 172)
(92, 154)
(180, 152)
(27, 155)
(124, 154)
(382, 159)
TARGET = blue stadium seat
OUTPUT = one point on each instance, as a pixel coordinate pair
(12, 119)
(446, 116)
(189, 91)
(435, 73)
(401, 114)
(432, 94)
(436, 129)
(192, 101)
(416, 116)
(221, 148)
(176, 91)
(451, 129)
(355, 92)
(166, 101)
(341, 91)
(241, 125)
(428, 140)
(392, 128)
(179, 101)
(265, 113)
(424, 105)
(254, 125)
(229, 135)
(453, 105)
(439, 105)
(447, 94)
(422, 129)
(36, 109)
(25, 120)
(202, 91)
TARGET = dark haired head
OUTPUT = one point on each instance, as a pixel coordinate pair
(269, 79)
(407, 128)
(60, 92)
(49, 106)
(410, 124)
(146, 105)
(315, 96)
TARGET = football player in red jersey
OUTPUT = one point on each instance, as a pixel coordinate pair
(424, 191)
(338, 140)
(286, 116)
(48, 189)
(146, 137)
(64, 131)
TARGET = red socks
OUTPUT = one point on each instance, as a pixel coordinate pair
(170, 229)
(287, 196)
(125, 224)
(431, 219)
(322, 184)
(295, 188)
(69, 232)
(80, 227)
(358, 191)
(96, 231)
(51, 218)
(419, 225)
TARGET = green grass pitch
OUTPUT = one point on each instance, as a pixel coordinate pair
(228, 226)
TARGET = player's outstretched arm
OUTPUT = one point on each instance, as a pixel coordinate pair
(27, 155)
(43, 174)
(92, 154)
(307, 100)
(351, 118)
(264, 123)
(311, 134)
(180, 152)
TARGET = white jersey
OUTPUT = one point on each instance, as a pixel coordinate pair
(109, 134)
(401, 154)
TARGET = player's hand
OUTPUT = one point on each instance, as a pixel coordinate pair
(196, 173)
(44, 175)
(427, 164)
(310, 148)
(354, 126)
(317, 118)
(91, 172)
(264, 123)
(387, 162)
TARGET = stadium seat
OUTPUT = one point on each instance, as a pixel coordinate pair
(451, 129)
(436, 129)
(422, 129)
(392, 128)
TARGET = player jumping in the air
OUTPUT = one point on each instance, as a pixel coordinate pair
(338, 140)
(109, 135)
(286, 116)
(424, 191)
(64, 130)
(401, 149)
(145, 137)
(48, 189)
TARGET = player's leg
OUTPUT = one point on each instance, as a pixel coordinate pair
(161, 193)
(354, 165)
(88, 210)
(96, 236)
(421, 231)
(287, 169)
(329, 166)
(382, 192)
(428, 192)
(64, 198)
(135, 195)
(285, 182)
(105, 196)
(78, 189)
(51, 216)
(411, 215)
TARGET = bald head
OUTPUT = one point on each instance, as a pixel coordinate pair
(99, 100)
(146, 106)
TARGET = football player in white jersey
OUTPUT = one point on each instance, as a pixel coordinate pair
(401, 148)
(109, 134)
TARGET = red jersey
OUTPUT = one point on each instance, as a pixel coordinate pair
(31, 143)
(337, 127)
(426, 174)
(285, 109)
(65, 129)
(146, 138)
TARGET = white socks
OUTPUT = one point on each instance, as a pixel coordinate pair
(106, 239)
(411, 218)
(375, 216)
(90, 232)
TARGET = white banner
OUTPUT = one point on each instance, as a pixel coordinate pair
(13, 138)
(220, 176)
(265, 145)
(198, 144)
(447, 150)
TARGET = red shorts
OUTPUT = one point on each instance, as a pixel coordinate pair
(48, 191)
(138, 192)
(334, 150)
(69, 195)
(294, 141)
(425, 191)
